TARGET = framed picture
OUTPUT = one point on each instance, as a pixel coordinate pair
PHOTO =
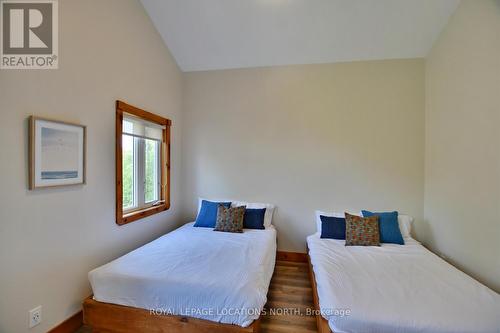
(57, 153)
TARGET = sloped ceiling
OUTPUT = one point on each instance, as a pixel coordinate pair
(220, 34)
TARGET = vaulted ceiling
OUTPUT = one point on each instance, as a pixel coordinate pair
(220, 34)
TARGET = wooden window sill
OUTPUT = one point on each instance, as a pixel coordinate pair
(139, 214)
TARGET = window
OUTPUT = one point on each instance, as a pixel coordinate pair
(142, 163)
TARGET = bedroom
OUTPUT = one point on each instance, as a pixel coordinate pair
(333, 106)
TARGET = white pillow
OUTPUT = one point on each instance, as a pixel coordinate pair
(268, 216)
(319, 213)
(405, 222)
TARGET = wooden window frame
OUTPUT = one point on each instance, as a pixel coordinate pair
(123, 108)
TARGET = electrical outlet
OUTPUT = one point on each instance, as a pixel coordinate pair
(35, 316)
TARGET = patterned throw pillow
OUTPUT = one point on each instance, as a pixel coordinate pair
(361, 230)
(230, 219)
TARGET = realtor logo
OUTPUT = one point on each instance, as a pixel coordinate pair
(29, 36)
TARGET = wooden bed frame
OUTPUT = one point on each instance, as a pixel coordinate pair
(321, 322)
(112, 318)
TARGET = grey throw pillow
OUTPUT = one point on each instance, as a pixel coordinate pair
(230, 219)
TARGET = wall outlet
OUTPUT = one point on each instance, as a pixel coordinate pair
(35, 316)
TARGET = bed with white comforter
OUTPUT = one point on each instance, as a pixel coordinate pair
(398, 288)
(196, 272)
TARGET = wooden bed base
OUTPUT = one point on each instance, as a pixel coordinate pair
(321, 322)
(112, 318)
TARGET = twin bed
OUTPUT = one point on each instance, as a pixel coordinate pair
(396, 289)
(191, 279)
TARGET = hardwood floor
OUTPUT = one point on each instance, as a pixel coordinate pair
(289, 297)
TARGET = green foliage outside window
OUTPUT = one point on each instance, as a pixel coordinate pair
(128, 172)
(150, 172)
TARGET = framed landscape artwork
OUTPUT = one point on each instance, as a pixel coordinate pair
(57, 153)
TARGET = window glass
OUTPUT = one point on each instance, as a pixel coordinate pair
(128, 172)
(151, 177)
(128, 126)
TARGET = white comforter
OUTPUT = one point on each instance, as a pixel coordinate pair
(396, 288)
(196, 272)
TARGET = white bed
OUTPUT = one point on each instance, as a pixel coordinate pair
(398, 288)
(195, 272)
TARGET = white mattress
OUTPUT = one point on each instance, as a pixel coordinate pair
(396, 288)
(196, 272)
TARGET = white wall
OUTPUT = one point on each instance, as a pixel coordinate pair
(51, 238)
(331, 137)
(462, 189)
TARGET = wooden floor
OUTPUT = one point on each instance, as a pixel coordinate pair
(289, 297)
(290, 290)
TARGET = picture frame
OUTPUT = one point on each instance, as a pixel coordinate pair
(57, 151)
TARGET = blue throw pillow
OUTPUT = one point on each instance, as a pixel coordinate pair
(208, 213)
(389, 227)
(254, 218)
(332, 227)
